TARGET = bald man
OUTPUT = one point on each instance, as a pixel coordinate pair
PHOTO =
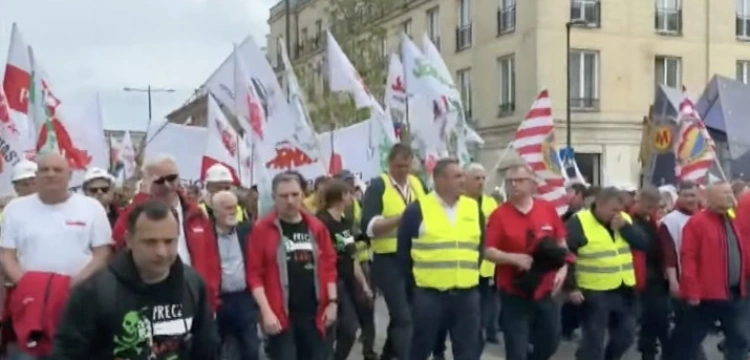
(51, 232)
(713, 279)
(237, 316)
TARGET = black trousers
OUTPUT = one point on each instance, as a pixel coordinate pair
(654, 305)
(693, 326)
(302, 341)
(238, 318)
(603, 313)
(528, 322)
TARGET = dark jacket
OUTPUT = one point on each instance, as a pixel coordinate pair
(114, 315)
(548, 256)
(201, 242)
(243, 236)
(576, 240)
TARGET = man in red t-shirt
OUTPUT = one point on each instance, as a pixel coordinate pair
(515, 231)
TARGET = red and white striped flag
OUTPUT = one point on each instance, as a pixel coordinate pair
(695, 151)
(687, 111)
(535, 143)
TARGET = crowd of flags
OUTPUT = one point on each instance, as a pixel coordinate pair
(277, 133)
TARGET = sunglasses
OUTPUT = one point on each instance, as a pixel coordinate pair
(101, 190)
(166, 179)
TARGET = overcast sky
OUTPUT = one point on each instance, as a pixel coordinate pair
(96, 46)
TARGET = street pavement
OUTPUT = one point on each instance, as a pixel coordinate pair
(495, 352)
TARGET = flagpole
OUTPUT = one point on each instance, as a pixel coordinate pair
(239, 161)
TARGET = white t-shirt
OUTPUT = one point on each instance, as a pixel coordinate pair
(55, 238)
(182, 247)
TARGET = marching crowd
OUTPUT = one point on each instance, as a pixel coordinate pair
(165, 272)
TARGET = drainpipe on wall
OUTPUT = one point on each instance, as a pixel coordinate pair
(708, 40)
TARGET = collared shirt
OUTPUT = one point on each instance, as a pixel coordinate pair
(232, 263)
(182, 248)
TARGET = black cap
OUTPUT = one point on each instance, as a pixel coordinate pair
(345, 175)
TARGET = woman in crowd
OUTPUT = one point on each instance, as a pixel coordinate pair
(352, 284)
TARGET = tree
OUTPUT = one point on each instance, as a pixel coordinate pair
(360, 29)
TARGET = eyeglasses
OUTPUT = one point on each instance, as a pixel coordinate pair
(516, 180)
(101, 190)
(166, 179)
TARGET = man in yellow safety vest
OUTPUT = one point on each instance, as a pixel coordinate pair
(384, 202)
(603, 277)
(439, 247)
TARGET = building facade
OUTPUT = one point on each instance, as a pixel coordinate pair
(503, 52)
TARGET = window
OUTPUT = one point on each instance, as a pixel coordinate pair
(507, 70)
(278, 51)
(506, 17)
(464, 86)
(433, 25)
(668, 71)
(668, 17)
(584, 79)
(743, 19)
(318, 34)
(463, 30)
(406, 27)
(585, 12)
(303, 40)
(743, 71)
(590, 166)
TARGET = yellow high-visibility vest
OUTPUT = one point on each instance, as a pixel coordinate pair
(311, 203)
(603, 264)
(240, 214)
(393, 205)
(487, 269)
(446, 255)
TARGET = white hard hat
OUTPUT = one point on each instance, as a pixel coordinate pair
(96, 173)
(218, 173)
(25, 169)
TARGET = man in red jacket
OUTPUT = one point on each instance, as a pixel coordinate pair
(292, 273)
(714, 272)
(196, 244)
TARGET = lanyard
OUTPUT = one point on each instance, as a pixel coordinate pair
(404, 193)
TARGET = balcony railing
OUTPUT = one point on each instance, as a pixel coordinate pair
(506, 20)
(463, 37)
(668, 21)
(586, 13)
(506, 109)
(584, 104)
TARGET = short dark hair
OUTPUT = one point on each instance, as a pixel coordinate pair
(608, 194)
(686, 185)
(334, 192)
(592, 191)
(398, 150)
(650, 193)
(578, 188)
(286, 176)
(152, 209)
(320, 181)
(441, 165)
